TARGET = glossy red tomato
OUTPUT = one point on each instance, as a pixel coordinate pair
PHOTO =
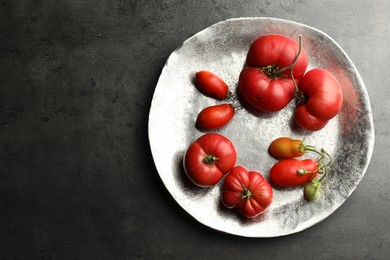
(322, 99)
(248, 191)
(285, 147)
(208, 159)
(215, 117)
(293, 172)
(262, 83)
(211, 84)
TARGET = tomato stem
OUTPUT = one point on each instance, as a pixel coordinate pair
(273, 71)
(236, 105)
(291, 66)
(298, 94)
(210, 159)
(230, 95)
(324, 160)
(323, 157)
(307, 148)
(246, 194)
(302, 171)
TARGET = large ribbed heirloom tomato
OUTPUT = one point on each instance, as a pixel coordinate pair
(265, 81)
(248, 191)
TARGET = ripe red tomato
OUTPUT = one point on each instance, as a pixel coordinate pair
(211, 84)
(262, 83)
(208, 159)
(215, 117)
(285, 147)
(293, 172)
(322, 99)
(248, 191)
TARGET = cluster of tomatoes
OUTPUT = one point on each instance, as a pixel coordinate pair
(274, 74)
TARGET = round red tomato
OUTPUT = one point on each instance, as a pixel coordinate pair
(215, 117)
(322, 99)
(292, 172)
(208, 159)
(264, 82)
(248, 191)
(211, 84)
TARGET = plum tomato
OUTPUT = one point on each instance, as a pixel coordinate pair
(285, 147)
(247, 191)
(292, 172)
(211, 84)
(321, 98)
(208, 159)
(265, 82)
(214, 117)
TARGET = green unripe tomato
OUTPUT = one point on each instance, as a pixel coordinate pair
(312, 190)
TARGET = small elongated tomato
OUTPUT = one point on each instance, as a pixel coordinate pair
(292, 172)
(248, 191)
(322, 99)
(208, 159)
(211, 84)
(285, 147)
(215, 117)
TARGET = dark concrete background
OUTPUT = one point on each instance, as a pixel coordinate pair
(77, 179)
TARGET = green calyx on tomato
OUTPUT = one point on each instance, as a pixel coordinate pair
(210, 159)
(304, 148)
(302, 171)
(274, 72)
(246, 193)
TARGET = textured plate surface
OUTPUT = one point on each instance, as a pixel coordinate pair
(222, 48)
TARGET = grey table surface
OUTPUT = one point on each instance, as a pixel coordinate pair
(77, 179)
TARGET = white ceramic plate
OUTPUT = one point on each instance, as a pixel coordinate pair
(222, 48)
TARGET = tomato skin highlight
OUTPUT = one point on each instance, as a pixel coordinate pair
(215, 117)
(285, 148)
(211, 84)
(285, 172)
(323, 99)
(266, 92)
(247, 191)
(205, 172)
